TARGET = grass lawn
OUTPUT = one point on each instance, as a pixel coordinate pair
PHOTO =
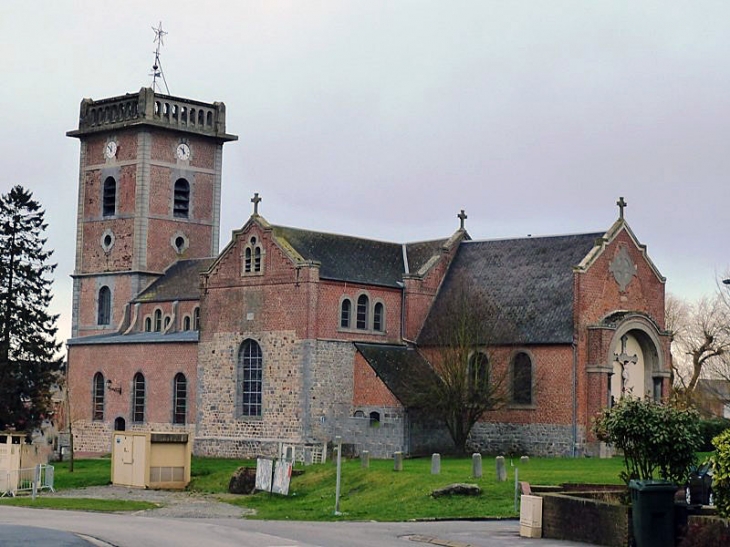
(381, 494)
(377, 493)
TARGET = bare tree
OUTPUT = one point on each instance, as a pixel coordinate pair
(700, 339)
(457, 344)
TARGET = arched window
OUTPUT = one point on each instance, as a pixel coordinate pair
(378, 317)
(138, 398)
(103, 316)
(148, 324)
(98, 397)
(158, 320)
(167, 321)
(181, 205)
(119, 424)
(253, 257)
(375, 419)
(186, 322)
(478, 374)
(522, 379)
(257, 259)
(247, 260)
(196, 318)
(180, 399)
(109, 199)
(250, 376)
(345, 312)
(362, 311)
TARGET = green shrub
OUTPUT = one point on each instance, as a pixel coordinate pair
(657, 440)
(710, 429)
(721, 477)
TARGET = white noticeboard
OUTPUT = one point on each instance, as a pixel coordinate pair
(281, 476)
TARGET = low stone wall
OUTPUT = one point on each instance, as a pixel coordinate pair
(573, 518)
(703, 531)
(521, 439)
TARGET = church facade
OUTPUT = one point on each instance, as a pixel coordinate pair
(290, 337)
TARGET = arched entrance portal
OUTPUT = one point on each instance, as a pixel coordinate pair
(638, 367)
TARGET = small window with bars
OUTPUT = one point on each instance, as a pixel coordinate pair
(180, 399)
(98, 397)
(109, 199)
(181, 205)
(138, 398)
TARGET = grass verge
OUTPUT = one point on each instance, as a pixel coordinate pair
(377, 493)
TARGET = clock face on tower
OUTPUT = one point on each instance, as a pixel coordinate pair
(183, 151)
(110, 150)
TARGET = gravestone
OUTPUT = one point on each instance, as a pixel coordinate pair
(435, 464)
(365, 459)
(398, 461)
(501, 469)
(476, 465)
(524, 460)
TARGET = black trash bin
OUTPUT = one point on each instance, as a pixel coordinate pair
(652, 505)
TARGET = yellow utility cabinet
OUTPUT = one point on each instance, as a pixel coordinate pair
(151, 460)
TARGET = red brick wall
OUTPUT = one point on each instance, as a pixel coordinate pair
(420, 292)
(598, 293)
(369, 390)
(119, 363)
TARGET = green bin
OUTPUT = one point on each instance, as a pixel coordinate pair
(652, 504)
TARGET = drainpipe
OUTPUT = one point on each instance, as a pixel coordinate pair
(575, 398)
(402, 309)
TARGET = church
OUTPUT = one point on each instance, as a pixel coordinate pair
(289, 337)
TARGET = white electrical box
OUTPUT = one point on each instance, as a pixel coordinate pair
(530, 516)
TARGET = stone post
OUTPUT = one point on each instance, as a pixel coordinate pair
(435, 464)
(398, 461)
(476, 465)
(365, 459)
(501, 469)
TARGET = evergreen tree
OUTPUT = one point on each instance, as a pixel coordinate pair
(29, 364)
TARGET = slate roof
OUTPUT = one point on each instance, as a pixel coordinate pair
(347, 258)
(397, 366)
(529, 282)
(181, 281)
(135, 338)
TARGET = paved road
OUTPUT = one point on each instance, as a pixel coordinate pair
(130, 530)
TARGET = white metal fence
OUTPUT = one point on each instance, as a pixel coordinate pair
(31, 480)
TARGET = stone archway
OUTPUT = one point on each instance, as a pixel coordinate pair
(638, 366)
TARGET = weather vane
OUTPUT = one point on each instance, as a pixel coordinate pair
(157, 71)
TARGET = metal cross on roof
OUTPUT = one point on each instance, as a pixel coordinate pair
(256, 200)
(621, 205)
(462, 217)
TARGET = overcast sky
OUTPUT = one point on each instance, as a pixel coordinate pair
(384, 118)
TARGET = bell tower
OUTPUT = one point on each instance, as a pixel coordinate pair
(149, 194)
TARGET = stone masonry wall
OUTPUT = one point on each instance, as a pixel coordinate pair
(522, 439)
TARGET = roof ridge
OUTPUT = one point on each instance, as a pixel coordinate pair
(360, 238)
(530, 237)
